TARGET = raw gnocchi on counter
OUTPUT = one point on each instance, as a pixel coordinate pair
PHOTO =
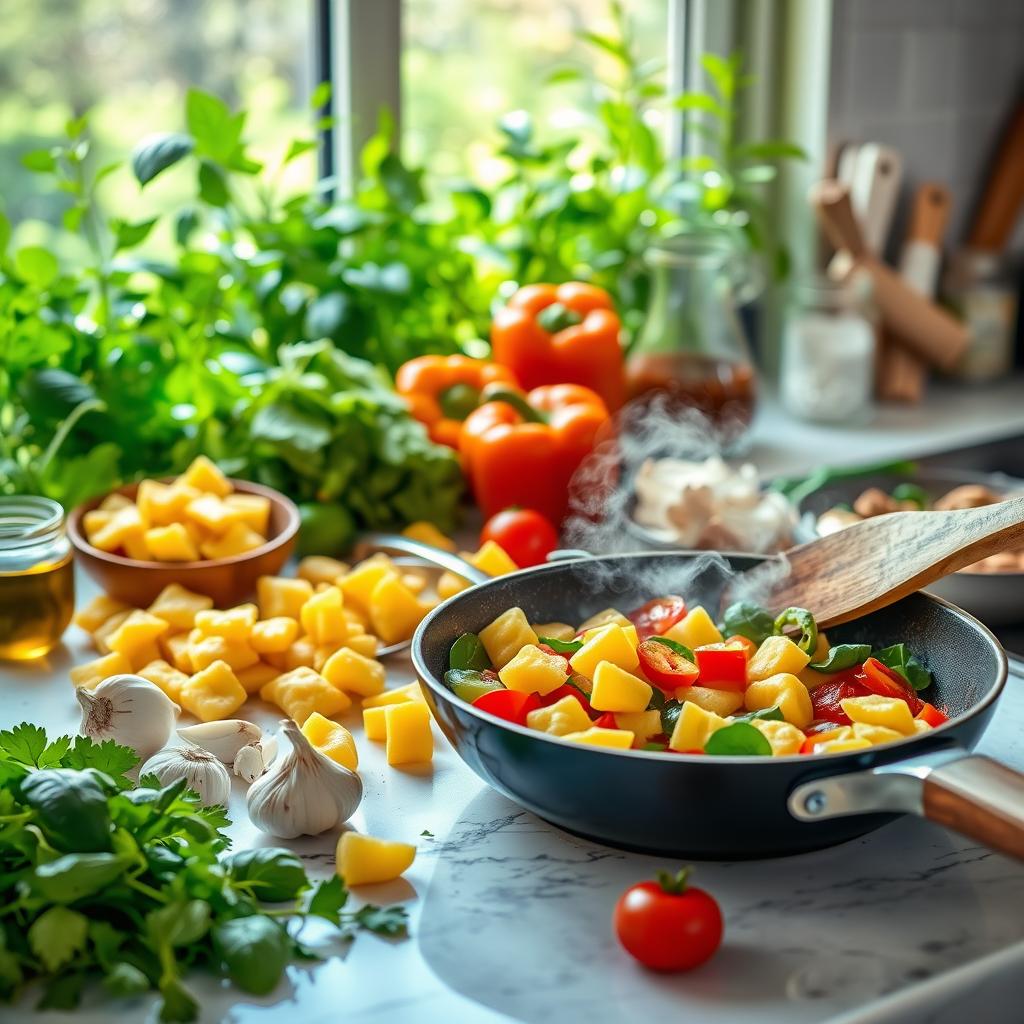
(665, 677)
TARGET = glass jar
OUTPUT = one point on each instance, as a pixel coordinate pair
(692, 352)
(829, 344)
(37, 583)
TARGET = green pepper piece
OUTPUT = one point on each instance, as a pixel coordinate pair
(804, 621)
(468, 652)
(470, 684)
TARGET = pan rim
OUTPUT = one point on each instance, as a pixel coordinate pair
(853, 759)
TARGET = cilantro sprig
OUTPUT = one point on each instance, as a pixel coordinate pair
(130, 885)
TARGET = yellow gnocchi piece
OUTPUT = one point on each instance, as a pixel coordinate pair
(175, 649)
(136, 634)
(628, 628)
(205, 650)
(721, 702)
(322, 617)
(615, 689)
(786, 692)
(125, 529)
(610, 643)
(874, 709)
(409, 739)
(506, 636)
(695, 629)
(350, 671)
(104, 632)
(841, 746)
(232, 623)
(693, 727)
(204, 475)
(279, 595)
(92, 673)
(332, 740)
(178, 607)
(365, 860)
(94, 521)
(253, 509)
(643, 724)
(533, 671)
(212, 693)
(236, 540)
(605, 617)
(411, 691)
(494, 560)
(365, 644)
(114, 502)
(166, 676)
(98, 611)
(359, 582)
(617, 739)
(212, 514)
(320, 569)
(395, 611)
(273, 636)
(375, 723)
(561, 718)
(302, 691)
(777, 654)
(553, 630)
(171, 543)
(428, 533)
(784, 737)
(255, 677)
(876, 734)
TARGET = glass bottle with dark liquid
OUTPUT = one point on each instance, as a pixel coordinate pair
(691, 362)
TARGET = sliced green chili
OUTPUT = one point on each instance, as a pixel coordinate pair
(804, 621)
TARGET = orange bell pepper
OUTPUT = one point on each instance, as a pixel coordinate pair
(442, 390)
(562, 334)
(522, 450)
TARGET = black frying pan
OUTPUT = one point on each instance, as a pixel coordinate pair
(732, 807)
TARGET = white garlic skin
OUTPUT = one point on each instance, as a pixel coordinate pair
(305, 793)
(129, 710)
(201, 771)
(249, 764)
(222, 739)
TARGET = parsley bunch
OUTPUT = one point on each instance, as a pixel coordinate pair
(104, 880)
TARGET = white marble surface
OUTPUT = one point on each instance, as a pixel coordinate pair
(510, 918)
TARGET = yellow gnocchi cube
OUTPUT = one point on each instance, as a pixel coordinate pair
(615, 689)
(92, 673)
(98, 611)
(448, 585)
(136, 634)
(212, 693)
(721, 702)
(254, 510)
(114, 502)
(104, 632)
(409, 739)
(533, 671)
(205, 650)
(124, 530)
(175, 649)
(375, 723)
(359, 582)
(171, 544)
(232, 623)
(155, 505)
(920, 725)
(784, 737)
(506, 636)
(365, 644)
(784, 691)
(395, 611)
(273, 636)
(167, 677)
(236, 540)
(322, 619)
(629, 629)
(428, 533)
(255, 677)
(279, 595)
(320, 569)
(605, 617)
(302, 691)
(561, 718)
(300, 654)
(876, 734)
(874, 709)
(178, 606)
(144, 655)
(350, 671)
(643, 724)
(841, 746)
(841, 732)
(694, 727)
(610, 643)
(204, 475)
(777, 654)
(695, 629)
(414, 582)
(332, 740)
(365, 860)
(554, 630)
(212, 514)
(411, 691)
(494, 560)
(617, 739)
(94, 521)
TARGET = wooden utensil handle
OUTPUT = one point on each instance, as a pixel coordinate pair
(980, 798)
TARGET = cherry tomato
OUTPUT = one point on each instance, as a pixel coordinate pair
(664, 667)
(511, 705)
(657, 616)
(826, 699)
(722, 666)
(931, 714)
(667, 925)
(887, 682)
(523, 534)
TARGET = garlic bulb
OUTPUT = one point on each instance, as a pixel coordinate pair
(131, 711)
(305, 793)
(222, 739)
(253, 760)
(200, 769)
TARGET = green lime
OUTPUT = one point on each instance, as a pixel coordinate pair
(325, 530)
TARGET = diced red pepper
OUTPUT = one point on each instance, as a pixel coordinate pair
(722, 666)
(510, 705)
(664, 667)
(606, 721)
(931, 714)
(748, 645)
(887, 682)
(657, 616)
(827, 698)
(567, 691)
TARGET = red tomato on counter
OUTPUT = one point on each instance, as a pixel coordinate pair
(667, 925)
(523, 534)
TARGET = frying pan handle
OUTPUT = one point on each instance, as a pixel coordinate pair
(396, 544)
(971, 794)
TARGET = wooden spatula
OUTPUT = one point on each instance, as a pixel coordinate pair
(874, 563)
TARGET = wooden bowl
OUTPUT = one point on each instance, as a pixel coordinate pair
(229, 581)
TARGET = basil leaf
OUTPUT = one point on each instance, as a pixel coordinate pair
(468, 652)
(562, 646)
(740, 738)
(254, 950)
(75, 875)
(673, 645)
(180, 923)
(898, 658)
(804, 621)
(773, 714)
(745, 618)
(670, 715)
(71, 807)
(274, 874)
(841, 657)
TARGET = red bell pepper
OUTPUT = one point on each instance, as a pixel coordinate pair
(566, 690)
(722, 666)
(606, 721)
(887, 682)
(931, 714)
(827, 699)
(511, 705)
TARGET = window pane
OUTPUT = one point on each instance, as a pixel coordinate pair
(467, 62)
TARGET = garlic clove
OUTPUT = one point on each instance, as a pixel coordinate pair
(222, 739)
(269, 746)
(201, 770)
(129, 710)
(254, 759)
(304, 793)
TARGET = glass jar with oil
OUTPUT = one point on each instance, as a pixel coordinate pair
(37, 583)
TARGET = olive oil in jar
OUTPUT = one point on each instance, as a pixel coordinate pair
(37, 589)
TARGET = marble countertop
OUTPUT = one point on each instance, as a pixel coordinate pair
(510, 917)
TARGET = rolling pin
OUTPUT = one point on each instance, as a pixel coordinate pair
(918, 323)
(901, 374)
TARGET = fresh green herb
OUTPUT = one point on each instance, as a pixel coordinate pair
(841, 657)
(126, 885)
(804, 621)
(562, 646)
(655, 746)
(670, 712)
(427, 834)
(468, 652)
(898, 658)
(674, 645)
(797, 489)
(744, 618)
(773, 714)
(739, 738)
(912, 492)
